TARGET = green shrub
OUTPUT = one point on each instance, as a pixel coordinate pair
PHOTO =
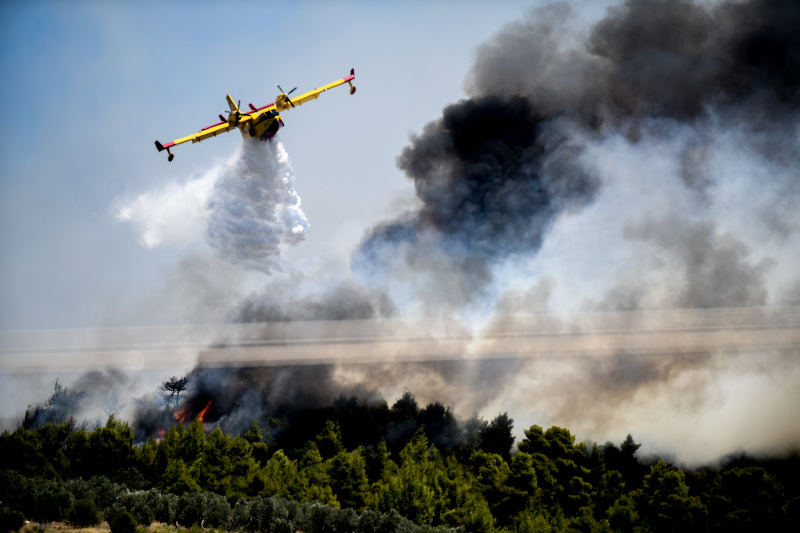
(83, 514)
(10, 519)
(205, 508)
(262, 513)
(318, 518)
(218, 511)
(104, 492)
(283, 526)
(122, 521)
(141, 504)
(46, 501)
(343, 521)
(165, 506)
(240, 515)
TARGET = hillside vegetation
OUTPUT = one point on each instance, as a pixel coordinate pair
(373, 468)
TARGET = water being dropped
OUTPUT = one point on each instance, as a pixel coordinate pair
(254, 209)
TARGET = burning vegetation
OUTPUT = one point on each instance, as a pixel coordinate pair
(182, 416)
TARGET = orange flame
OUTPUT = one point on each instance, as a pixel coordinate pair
(183, 415)
(203, 412)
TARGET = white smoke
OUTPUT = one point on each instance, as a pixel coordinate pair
(254, 208)
(172, 215)
(247, 208)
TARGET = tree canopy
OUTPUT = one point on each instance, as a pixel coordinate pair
(361, 464)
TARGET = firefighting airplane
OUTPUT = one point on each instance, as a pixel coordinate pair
(260, 122)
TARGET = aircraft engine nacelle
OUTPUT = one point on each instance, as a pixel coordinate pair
(281, 102)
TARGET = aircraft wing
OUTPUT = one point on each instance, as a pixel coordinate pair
(205, 133)
(314, 94)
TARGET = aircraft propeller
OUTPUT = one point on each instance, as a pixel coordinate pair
(287, 94)
(238, 107)
(238, 111)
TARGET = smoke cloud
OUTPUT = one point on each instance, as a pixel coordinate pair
(175, 214)
(344, 300)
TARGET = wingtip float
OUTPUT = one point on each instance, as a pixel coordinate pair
(258, 123)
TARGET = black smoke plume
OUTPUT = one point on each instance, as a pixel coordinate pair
(649, 58)
(492, 174)
(480, 174)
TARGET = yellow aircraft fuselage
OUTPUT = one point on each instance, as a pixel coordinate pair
(259, 123)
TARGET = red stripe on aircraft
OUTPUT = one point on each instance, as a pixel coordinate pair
(256, 110)
(225, 121)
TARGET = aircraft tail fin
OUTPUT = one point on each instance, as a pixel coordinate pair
(234, 110)
(232, 104)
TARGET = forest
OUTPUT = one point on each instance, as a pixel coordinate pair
(366, 466)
